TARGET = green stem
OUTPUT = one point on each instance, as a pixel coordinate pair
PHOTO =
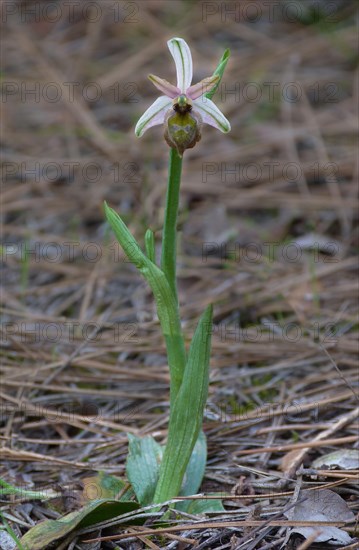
(169, 235)
(176, 351)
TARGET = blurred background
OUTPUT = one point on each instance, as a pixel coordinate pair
(268, 220)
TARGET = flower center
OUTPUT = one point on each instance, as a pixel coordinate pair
(182, 104)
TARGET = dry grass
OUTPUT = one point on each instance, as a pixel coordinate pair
(271, 244)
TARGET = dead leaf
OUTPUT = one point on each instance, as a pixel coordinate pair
(319, 506)
(345, 459)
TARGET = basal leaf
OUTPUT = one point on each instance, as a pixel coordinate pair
(194, 473)
(104, 486)
(143, 465)
(47, 532)
(205, 505)
(187, 412)
(195, 470)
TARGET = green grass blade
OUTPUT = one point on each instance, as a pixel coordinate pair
(27, 494)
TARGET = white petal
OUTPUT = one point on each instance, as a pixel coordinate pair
(211, 114)
(183, 59)
(154, 115)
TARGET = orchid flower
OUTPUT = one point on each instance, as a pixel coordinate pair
(159, 473)
(188, 101)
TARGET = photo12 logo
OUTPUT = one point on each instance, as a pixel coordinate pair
(67, 332)
(68, 91)
(237, 173)
(269, 11)
(70, 11)
(252, 252)
(90, 172)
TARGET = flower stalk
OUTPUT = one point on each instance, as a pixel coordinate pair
(169, 237)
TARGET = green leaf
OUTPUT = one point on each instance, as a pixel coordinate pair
(196, 467)
(195, 471)
(202, 506)
(219, 71)
(49, 531)
(153, 275)
(150, 245)
(167, 307)
(104, 486)
(129, 244)
(143, 465)
(186, 415)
